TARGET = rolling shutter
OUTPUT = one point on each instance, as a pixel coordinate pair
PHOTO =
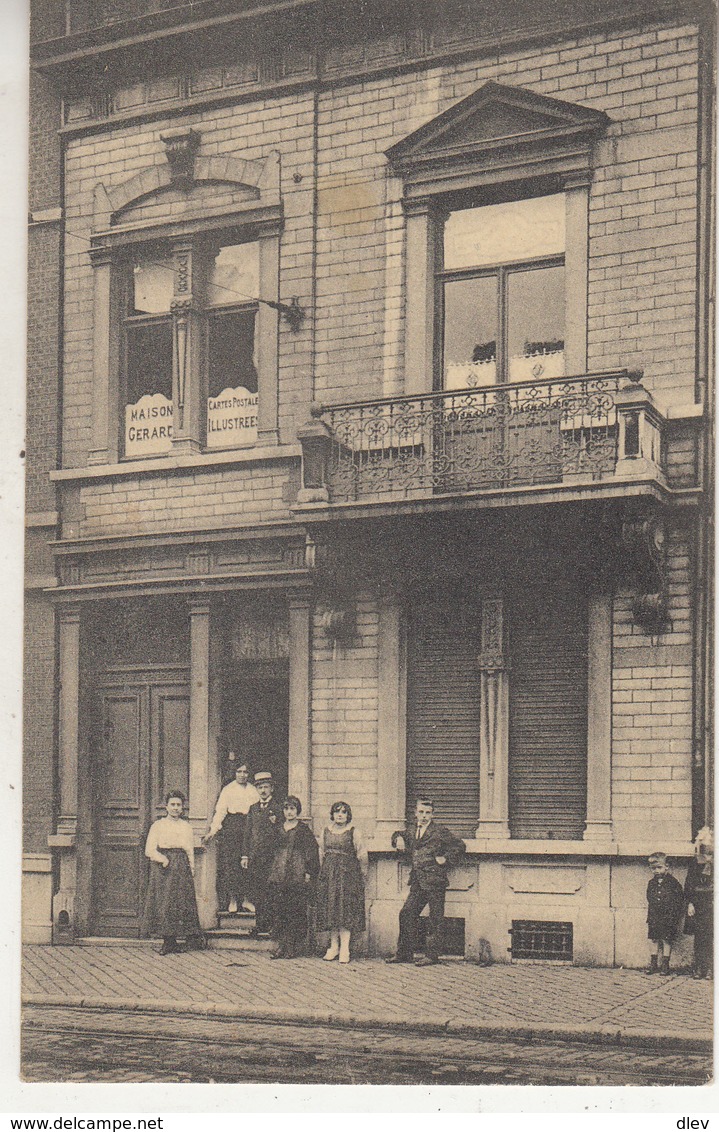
(443, 710)
(548, 714)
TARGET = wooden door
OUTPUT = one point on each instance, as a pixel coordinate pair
(141, 751)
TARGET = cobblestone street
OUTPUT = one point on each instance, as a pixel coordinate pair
(75, 1044)
(232, 1015)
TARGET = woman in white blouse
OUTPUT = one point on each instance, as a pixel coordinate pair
(230, 821)
(171, 904)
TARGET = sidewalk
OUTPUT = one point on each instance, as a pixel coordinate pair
(573, 1003)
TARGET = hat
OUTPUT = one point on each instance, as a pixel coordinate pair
(263, 776)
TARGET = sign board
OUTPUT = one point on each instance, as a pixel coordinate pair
(232, 419)
(148, 426)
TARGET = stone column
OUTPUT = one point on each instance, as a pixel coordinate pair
(106, 359)
(267, 341)
(419, 290)
(202, 763)
(189, 394)
(392, 716)
(65, 836)
(576, 272)
(300, 768)
(599, 722)
(494, 724)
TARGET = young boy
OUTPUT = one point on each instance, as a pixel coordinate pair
(665, 900)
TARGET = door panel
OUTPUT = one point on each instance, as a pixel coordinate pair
(121, 794)
(141, 751)
(170, 713)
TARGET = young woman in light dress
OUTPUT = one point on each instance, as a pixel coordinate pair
(341, 884)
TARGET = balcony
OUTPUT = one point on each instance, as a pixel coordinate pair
(573, 432)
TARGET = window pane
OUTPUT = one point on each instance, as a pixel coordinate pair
(153, 281)
(535, 303)
(470, 332)
(235, 275)
(148, 408)
(149, 359)
(232, 401)
(504, 233)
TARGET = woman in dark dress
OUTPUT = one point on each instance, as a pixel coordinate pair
(290, 881)
(170, 904)
(340, 889)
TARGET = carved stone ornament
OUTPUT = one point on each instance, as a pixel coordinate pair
(181, 148)
(644, 537)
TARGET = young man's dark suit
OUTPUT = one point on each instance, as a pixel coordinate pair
(428, 884)
(264, 822)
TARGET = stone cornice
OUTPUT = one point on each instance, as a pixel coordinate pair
(94, 66)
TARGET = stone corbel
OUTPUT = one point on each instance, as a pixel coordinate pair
(644, 538)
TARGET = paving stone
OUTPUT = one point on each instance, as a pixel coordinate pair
(455, 995)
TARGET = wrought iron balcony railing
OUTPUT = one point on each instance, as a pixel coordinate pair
(567, 430)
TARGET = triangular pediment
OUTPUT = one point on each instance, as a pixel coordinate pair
(496, 116)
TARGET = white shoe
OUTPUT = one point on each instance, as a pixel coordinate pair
(248, 906)
(344, 954)
(232, 906)
(332, 953)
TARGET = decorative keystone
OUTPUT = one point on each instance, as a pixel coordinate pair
(181, 146)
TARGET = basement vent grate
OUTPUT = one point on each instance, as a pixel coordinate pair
(541, 939)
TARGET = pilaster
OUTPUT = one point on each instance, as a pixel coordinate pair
(300, 770)
(392, 715)
(494, 733)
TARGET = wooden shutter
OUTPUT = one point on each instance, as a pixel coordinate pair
(443, 710)
(548, 714)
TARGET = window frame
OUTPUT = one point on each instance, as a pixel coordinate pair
(500, 271)
(112, 253)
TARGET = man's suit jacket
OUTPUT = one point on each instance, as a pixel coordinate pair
(262, 833)
(437, 841)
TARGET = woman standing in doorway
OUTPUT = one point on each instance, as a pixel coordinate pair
(230, 820)
(290, 881)
(171, 905)
(340, 889)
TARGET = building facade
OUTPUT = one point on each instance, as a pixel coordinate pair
(370, 439)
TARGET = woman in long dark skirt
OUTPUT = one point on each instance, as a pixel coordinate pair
(230, 822)
(340, 889)
(171, 904)
(290, 881)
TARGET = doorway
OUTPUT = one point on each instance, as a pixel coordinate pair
(140, 750)
(255, 718)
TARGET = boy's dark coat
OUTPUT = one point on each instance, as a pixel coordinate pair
(665, 899)
(436, 842)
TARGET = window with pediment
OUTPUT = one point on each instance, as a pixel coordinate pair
(496, 200)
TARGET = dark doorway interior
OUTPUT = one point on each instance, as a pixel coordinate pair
(255, 718)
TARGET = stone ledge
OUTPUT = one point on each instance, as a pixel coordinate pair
(171, 463)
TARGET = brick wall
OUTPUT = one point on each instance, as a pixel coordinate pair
(38, 722)
(642, 205)
(252, 131)
(344, 717)
(642, 212)
(652, 714)
(189, 500)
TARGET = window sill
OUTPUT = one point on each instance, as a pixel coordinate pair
(516, 848)
(225, 456)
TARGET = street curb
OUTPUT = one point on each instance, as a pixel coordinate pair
(606, 1034)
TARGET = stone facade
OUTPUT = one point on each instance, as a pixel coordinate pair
(321, 117)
